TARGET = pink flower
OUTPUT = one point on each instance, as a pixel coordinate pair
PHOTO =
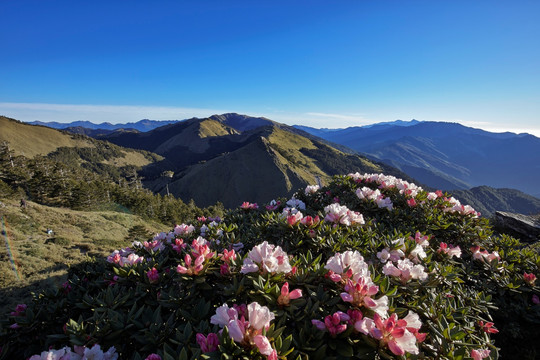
(153, 275)
(393, 255)
(259, 316)
(449, 250)
(391, 332)
(153, 357)
(346, 265)
(227, 255)
(208, 343)
(311, 189)
(273, 205)
(273, 355)
(487, 327)
(310, 221)
(411, 202)
(286, 296)
(183, 229)
(479, 354)
(420, 239)
(266, 258)
(247, 332)
(484, 255)
(360, 294)
(179, 245)
(335, 324)
(19, 310)
(190, 269)
(405, 270)
(295, 218)
(248, 206)
(354, 315)
(530, 279)
(223, 315)
(224, 269)
(342, 215)
(153, 246)
(263, 344)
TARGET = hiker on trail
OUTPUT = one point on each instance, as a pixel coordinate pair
(23, 203)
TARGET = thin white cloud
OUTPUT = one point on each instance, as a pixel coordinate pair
(337, 116)
(100, 113)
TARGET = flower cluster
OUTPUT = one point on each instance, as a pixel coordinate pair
(227, 256)
(78, 353)
(350, 270)
(246, 205)
(266, 258)
(124, 257)
(399, 335)
(388, 181)
(195, 262)
(376, 196)
(449, 250)
(339, 214)
(400, 250)
(311, 189)
(484, 255)
(455, 206)
(405, 271)
(246, 326)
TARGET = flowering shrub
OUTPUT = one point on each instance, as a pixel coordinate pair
(368, 267)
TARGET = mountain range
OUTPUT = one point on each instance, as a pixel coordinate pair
(141, 125)
(447, 155)
(236, 158)
(233, 158)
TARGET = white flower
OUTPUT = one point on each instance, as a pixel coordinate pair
(259, 316)
(268, 258)
(349, 260)
(311, 189)
(223, 315)
(405, 270)
(295, 203)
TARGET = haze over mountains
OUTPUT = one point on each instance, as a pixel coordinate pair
(447, 155)
(233, 158)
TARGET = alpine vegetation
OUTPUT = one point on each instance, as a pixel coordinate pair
(367, 267)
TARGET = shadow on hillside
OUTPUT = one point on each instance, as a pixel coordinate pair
(22, 294)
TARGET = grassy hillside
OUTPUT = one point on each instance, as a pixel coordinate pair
(41, 260)
(34, 140)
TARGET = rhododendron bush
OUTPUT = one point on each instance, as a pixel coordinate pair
(368, 267)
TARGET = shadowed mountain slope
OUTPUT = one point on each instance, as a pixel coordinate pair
(233, 158)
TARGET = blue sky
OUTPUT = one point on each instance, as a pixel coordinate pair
(317, 63)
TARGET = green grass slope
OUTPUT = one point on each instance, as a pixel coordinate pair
(32, 260)
(34, 140)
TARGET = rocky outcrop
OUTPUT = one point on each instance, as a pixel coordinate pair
(527, 226)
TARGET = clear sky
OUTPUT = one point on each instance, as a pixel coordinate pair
(317, 63)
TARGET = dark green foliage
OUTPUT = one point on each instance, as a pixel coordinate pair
(54, 183)
(121, 306)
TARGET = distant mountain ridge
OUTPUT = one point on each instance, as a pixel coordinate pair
(448, 155)
(141, 125)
